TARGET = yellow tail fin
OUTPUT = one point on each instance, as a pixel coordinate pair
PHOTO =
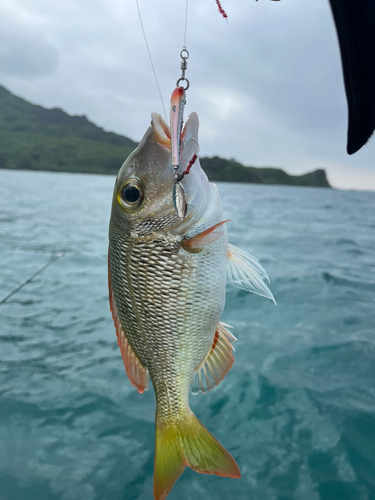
(188, 442)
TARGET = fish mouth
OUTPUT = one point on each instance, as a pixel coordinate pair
(192, 178)
(188, 144)
(161, 130)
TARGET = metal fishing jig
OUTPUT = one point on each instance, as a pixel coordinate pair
(178, 101)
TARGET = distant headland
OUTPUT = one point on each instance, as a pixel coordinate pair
(36, 138)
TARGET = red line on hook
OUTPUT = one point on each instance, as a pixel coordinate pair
(191, 163)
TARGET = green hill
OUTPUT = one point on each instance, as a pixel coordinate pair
(218, 169)
(36, 138)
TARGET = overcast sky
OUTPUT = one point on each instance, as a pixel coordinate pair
(267, 85)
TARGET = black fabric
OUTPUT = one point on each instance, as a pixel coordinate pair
(355, 24)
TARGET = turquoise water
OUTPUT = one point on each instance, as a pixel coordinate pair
(297, 410)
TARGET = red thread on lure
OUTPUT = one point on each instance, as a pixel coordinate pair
(191, 163)
(221, 10)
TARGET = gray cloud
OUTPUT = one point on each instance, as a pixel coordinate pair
(24, 53)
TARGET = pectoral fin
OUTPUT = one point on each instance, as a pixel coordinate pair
(198, 242)
(137, 373)
(218, 362)
(244, 271)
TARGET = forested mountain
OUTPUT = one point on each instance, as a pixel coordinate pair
(36, 138)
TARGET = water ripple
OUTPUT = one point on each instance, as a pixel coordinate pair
(297, 408)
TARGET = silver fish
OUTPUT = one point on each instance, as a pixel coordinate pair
(167, 279)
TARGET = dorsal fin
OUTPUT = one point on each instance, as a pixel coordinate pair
(137, 373)
(218, 362)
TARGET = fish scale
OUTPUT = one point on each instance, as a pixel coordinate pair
(160, 312)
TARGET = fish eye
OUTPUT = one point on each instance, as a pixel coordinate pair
(130, 195)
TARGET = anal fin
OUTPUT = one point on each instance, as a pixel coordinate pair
(218, 362)
(137, 373)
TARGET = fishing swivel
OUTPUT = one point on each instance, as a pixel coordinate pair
(184, 54)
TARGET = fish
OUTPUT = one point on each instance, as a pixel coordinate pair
(167, 281)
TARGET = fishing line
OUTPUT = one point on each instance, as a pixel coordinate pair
(53, 260)
(186, 13)
(152, 64)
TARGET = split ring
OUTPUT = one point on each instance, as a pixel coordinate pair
(183, 79)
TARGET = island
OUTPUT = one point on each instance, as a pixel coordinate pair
(36, 138)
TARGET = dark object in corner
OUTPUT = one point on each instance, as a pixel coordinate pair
(355, 24)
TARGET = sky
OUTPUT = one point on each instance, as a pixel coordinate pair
(266, 84)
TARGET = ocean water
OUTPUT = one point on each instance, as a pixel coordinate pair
(297, 410)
